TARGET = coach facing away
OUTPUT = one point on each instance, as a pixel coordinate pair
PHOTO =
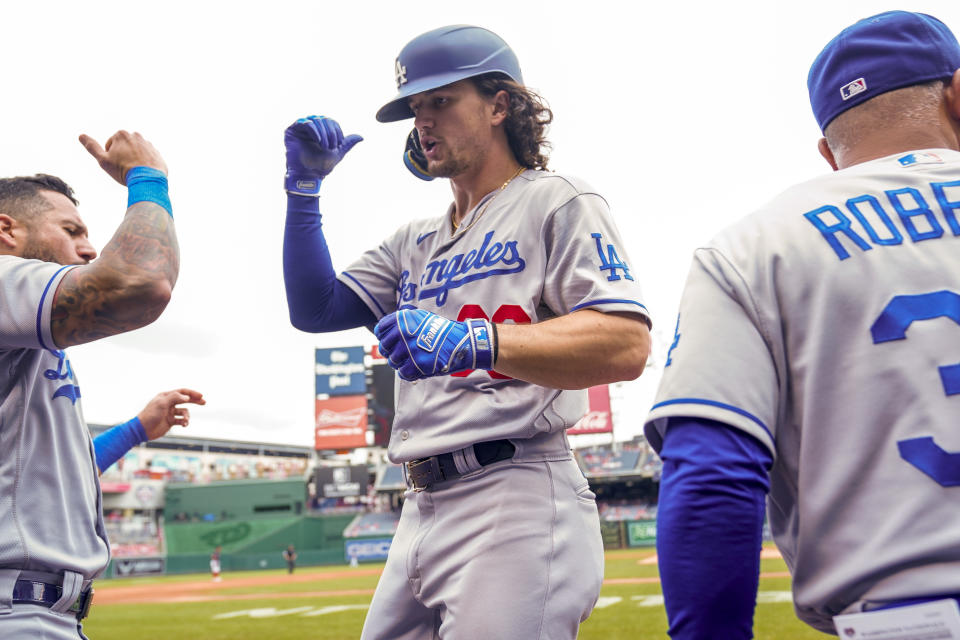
(816, 358)
(494, 313)
(53, 295)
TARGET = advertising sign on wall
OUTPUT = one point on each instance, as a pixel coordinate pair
(340, 372)
(598, 418)
(140, 493)
(642, 533)
(337, 482)
(341, 422)
(137, 567)
(367, 549)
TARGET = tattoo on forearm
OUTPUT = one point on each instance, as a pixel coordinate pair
(116, 292)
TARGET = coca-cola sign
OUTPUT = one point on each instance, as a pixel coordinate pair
(598, 418)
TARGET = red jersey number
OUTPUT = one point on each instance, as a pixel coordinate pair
(503, 314)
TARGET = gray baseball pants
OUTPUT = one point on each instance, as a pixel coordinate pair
(510, 551)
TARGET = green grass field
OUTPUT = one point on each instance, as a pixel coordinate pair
(321, 604)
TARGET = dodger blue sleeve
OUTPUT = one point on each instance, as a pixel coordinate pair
(710, 528)
(317, 301)
(112, 444)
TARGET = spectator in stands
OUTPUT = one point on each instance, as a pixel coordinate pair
(290, 555)
(154, 421)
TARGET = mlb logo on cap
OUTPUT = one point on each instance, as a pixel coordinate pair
(895, 50)
(856, 87)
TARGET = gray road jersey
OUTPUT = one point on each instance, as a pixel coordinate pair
(50, 502)
(545, 246)
(825, 325)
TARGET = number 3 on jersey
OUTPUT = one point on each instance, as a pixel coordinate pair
(894, 320)
(503, 313)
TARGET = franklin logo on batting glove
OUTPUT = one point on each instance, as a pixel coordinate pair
(420, 344)
(427, 340)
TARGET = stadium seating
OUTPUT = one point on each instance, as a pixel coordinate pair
(604, 461)
(373, 524)
(627, 511)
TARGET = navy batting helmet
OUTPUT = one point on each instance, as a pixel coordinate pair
(443, 56)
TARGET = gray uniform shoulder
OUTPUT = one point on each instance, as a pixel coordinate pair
(15, 266)
(418, 230)
(27, 289)
(794, 220)
(778, 232)
(557, 189)
(765, 218)
(8, 262)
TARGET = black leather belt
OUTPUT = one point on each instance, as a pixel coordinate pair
(47, 595)
(426, 471)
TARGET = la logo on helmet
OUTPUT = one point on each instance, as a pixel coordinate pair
(401, 74)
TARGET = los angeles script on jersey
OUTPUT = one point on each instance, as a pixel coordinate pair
(491, 258)
(868, 222)
(63, 372)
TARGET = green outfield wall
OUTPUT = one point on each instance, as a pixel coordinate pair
(253, 522)
(235, 499)
(618, 534)
(613, 533)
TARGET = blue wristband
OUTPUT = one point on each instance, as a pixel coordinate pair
(113, 444)
(148, 184)
(302, 184)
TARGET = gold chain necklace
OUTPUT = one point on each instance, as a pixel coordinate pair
(456, 226)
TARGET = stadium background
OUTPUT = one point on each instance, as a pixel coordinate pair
(170, 502)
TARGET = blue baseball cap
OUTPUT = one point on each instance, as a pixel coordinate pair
(444, 56)
(881, 53)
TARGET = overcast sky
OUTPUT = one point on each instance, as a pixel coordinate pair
(686, 116)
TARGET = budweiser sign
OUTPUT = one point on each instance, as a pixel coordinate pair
(350, 418)
(341, 422)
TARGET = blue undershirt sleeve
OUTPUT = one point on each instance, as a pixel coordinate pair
(710, 528)
(113, 444)
(317, 301)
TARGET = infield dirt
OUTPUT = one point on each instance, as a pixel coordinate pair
(209, 591)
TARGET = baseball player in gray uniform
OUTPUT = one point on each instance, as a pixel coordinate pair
(53, 295)
(496, 315)
(815, 358)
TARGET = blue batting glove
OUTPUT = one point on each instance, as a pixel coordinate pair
(420, 344)
(315, 145)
